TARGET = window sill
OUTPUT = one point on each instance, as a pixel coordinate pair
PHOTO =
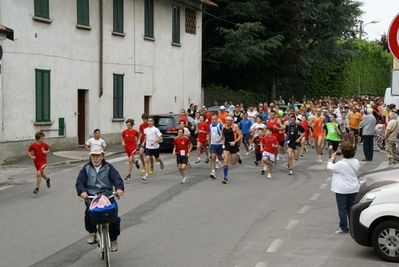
(118, 119)
(43, 123)
(83, 27)
(121, 34)
(44, 20)
(176, 44)
(147, 38)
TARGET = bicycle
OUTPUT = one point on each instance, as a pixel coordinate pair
(379, 139)
(102, 220)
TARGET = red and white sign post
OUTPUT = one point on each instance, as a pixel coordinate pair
(393, 37)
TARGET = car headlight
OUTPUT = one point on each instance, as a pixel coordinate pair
(361, 180)
(370, 196)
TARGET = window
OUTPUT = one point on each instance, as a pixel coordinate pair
(149, 18)
(42, 95)
(176, 25)
(82, 7)
(42, 9)
(190, 21)
(118, 16)
(118, 96)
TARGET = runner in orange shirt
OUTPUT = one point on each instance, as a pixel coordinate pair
(318, 133)
(354, 125)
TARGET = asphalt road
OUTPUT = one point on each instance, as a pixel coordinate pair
(251, 222)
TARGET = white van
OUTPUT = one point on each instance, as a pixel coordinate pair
(390, 99)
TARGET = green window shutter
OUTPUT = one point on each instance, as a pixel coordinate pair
(118, 96)
(42, 95)
(42, 9)
(82, 7)
(118, 16)
(149, 18)
(176, 25)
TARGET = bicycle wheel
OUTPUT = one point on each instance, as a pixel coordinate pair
(100, 241)
(107, 245)
(375, 147)
(381, 144)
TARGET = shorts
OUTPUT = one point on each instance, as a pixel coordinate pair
(354, 131)
(270, 157)
(142, 146)
(152, 152)
(131, 152)
(216, 149)
(245, 137)
(40, 166)
(181, 159)
(334, 144)
(232, 149)
(258, 156)
(293, 145)
(203, 143)
(281, 143)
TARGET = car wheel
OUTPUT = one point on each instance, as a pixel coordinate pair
(385, 240)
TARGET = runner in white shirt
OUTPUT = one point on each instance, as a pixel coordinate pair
(95, 141)
(152, 138)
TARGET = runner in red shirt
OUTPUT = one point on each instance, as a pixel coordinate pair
(181, 149)
(130, 137)
(269, 145)
(202, 139)
(278, 131)
(143, 126)
(40, 150)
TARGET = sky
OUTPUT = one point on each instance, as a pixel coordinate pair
(382, 10)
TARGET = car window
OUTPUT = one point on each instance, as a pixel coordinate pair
(164, 122)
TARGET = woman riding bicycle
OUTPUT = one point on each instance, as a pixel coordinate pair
(99, 177)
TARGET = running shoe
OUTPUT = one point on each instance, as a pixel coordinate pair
(207, 160)
(36, 191)
(269, 176)
(239, 158)
(162, 165)
(263, 172)
(48, 182)
(114, 246)
(290, 173)
(248, 153)
(137, 164)
(217, 164)
(225, 180)
(145, 177)
(92, 238)
(127, 178)
(197, 161)
(306, 149)
(213, 175)
(185, 180)
(301, 154)
(256, 163)
(143, 170)
(151, 170)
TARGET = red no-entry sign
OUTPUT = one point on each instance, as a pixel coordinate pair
(393, 37)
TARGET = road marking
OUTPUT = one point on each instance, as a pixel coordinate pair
(291, 224)
(318, 166)
(261, 264)
(5, 187)
(329, 179)
(117, 159)
(275, 245)
(323, 186)
(304, 209)
(315, 196)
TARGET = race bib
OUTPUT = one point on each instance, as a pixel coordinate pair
(182, 152)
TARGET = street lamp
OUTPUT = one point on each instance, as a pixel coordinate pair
(362, 26)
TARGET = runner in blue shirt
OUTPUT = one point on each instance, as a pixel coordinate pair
(245, 124)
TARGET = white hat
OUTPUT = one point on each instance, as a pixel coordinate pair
(222, 107)
(97, 150)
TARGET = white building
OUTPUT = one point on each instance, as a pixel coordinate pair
(75, 66)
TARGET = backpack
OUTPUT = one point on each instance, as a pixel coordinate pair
(101, 210)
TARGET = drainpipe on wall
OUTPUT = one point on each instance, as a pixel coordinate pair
(101, 49)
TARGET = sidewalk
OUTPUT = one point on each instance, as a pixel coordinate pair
(22, 170)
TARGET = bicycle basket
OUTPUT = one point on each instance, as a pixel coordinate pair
(106, 214)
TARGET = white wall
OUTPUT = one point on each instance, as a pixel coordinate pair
(153, 68)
